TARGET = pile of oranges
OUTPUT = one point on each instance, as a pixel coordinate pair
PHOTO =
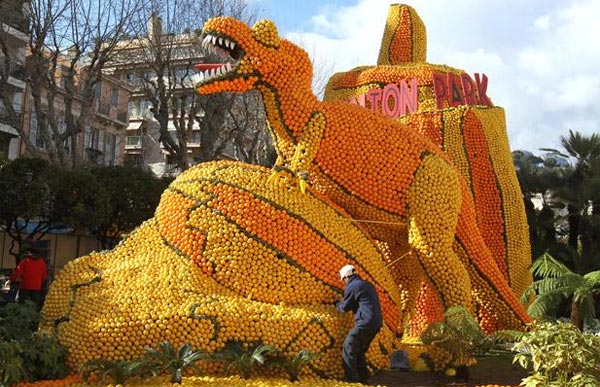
(229, 256)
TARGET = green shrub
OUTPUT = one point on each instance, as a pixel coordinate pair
(118, 371)
(11, 364)
(244, 360)
(559, 355)
(293, 365)
(26, 354)
(174, 362)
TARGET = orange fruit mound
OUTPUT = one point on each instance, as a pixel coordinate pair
(228, 256)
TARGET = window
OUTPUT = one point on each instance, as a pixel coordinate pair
(98, 90)
(67, 142)
(35, 135)
(114, 96)
(87, 142)
(133, 108)
(111, 145)
(145, 105)
(131, 78)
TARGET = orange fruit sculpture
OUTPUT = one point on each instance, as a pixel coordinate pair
(227, 257)
(454, 111)
(409, 194)
(237, 252)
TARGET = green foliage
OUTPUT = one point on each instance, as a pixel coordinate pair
(175, 362)
(557, 284)
(18, 321)
(44, 357)
(459, 335)
(293, 365)
(244, 361)
(118, 371)
(132, 198)
(11, 364)
(559, 355)
(24, 353)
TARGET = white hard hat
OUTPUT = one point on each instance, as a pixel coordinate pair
(346, 271)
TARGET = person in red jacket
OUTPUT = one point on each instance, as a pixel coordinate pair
(31, 272)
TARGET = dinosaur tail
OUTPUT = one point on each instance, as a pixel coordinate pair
(497, 305)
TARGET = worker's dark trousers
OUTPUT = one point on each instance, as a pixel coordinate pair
(353, 353)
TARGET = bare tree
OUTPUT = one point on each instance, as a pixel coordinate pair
(70, 42)
(163, 59)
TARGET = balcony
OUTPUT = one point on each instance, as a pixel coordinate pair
(9, 120)
(16, 20)
(133, 142)
(109, 112)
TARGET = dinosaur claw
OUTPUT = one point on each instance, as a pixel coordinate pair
(302, 186)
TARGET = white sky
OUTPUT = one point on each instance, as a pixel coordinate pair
(542, 57)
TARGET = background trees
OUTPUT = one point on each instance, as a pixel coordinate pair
(70, 42)
(562, 195)
(39, 197)
(161, 61)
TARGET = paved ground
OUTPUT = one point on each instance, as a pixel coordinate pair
(493, 370)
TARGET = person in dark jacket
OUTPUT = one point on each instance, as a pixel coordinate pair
(361, 298)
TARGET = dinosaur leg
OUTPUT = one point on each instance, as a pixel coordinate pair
(434, 201)
(498, 306)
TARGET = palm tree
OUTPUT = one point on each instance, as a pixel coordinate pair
(579, 191)
(558, 284)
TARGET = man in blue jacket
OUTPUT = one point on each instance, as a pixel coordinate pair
(361, 298)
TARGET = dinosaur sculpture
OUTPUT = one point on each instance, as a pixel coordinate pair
(374, 167)
(452, 109)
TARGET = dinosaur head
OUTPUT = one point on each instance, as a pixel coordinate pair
(251, 56)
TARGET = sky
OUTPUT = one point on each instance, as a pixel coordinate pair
(542, 57)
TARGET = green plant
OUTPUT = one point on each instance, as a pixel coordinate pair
(244, 361)
(11, 364)
(293, 365)
(118, 371)
(558, 284)
(559, 355)
(175, 362)
(458, 336)
(43, 357)
(18, 320)
(28, 355)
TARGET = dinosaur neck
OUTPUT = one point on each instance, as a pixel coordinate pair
(288, 110)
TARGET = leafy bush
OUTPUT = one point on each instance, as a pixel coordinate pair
(559, 354)
(458, 337)
(24, 353)
(244, 361)
(118, 371)
(11, 364)
(292, 366)
(175, 362)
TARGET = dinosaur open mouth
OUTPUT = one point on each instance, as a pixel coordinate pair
(226, 49)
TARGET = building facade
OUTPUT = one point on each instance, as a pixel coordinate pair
(14, 28)
(101, 140)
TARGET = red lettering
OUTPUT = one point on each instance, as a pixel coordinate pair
(374, 96)
(468, 86)
(482, 89)
(409, 97)
(390, 91)
(457, 97)
(440, 90)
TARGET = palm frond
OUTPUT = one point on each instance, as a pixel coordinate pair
(547, 266)
(593, 277)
